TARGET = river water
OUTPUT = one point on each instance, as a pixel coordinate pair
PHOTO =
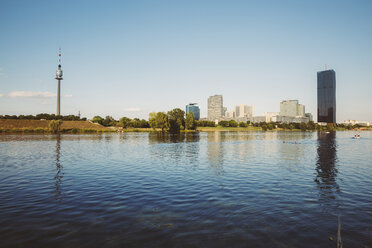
(212, 189)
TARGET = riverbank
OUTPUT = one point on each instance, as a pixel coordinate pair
(252, 128)
(42, 126)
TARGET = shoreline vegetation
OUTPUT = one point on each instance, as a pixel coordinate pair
(172, 122)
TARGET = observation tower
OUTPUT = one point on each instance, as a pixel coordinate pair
(59, 75)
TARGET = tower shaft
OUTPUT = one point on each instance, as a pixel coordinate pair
(59, 98)
(59, 75)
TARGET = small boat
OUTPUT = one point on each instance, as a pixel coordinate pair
(356, 136)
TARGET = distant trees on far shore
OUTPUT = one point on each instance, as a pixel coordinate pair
(44, 116)
(175, 121)
(123, 122)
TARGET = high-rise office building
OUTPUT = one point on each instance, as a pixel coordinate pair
(215, 107)
(243, 110)
(194, 108)
(327, 96)
(291, 108)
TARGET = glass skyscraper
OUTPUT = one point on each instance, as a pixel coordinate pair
(195, 110)
(327, 96)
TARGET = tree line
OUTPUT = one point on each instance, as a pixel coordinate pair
(44, 116)
(123, 122)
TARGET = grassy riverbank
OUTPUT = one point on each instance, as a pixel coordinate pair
(42, 126)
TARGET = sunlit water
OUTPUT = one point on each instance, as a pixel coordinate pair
(216, 189)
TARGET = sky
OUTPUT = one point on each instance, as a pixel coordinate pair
(130, 58)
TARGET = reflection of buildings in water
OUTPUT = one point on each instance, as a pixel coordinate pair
(175, 147)
(244, 148)
(59, 175)
(215, 151)
(291, 151)
(326, 164)
(192, 148)
(292, 145)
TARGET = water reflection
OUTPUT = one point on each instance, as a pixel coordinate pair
(172, 146)
(59, 175)
(215, 151)
(326, 165)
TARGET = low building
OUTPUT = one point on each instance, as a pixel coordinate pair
(292, 119)
(271, 116)
(355, 122)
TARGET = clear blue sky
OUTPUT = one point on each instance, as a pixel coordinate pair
(129, 58)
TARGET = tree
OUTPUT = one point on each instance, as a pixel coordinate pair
(97, 119)
(152, 120)
(55, 125)
(205, 123)
(162, 121)
(109, 121)
(190, 122)
(264, 127)
(223, 123)
(125, 122)
(243, 124)
(233, 123)
(303, 126)
(176, 119)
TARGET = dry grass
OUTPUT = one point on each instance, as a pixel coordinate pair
(37, 124)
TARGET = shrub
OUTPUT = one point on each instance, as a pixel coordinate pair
(55, 126)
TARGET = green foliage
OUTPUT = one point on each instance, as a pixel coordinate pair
(243, 124)
(125, 122)
(311, 125)
(43, 116)
(152, 120)
(223, 123)
(97, 119)
(303, 126)
(159, 120)
(162, 121)
(55, 125)
(264, 127)
(109, 121)
(190, 122)
(233, 123)
(205, 123)
(176, 119)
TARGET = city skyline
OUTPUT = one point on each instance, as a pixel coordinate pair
(138, 58)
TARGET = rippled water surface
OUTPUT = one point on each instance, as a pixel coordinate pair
(216, 189)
